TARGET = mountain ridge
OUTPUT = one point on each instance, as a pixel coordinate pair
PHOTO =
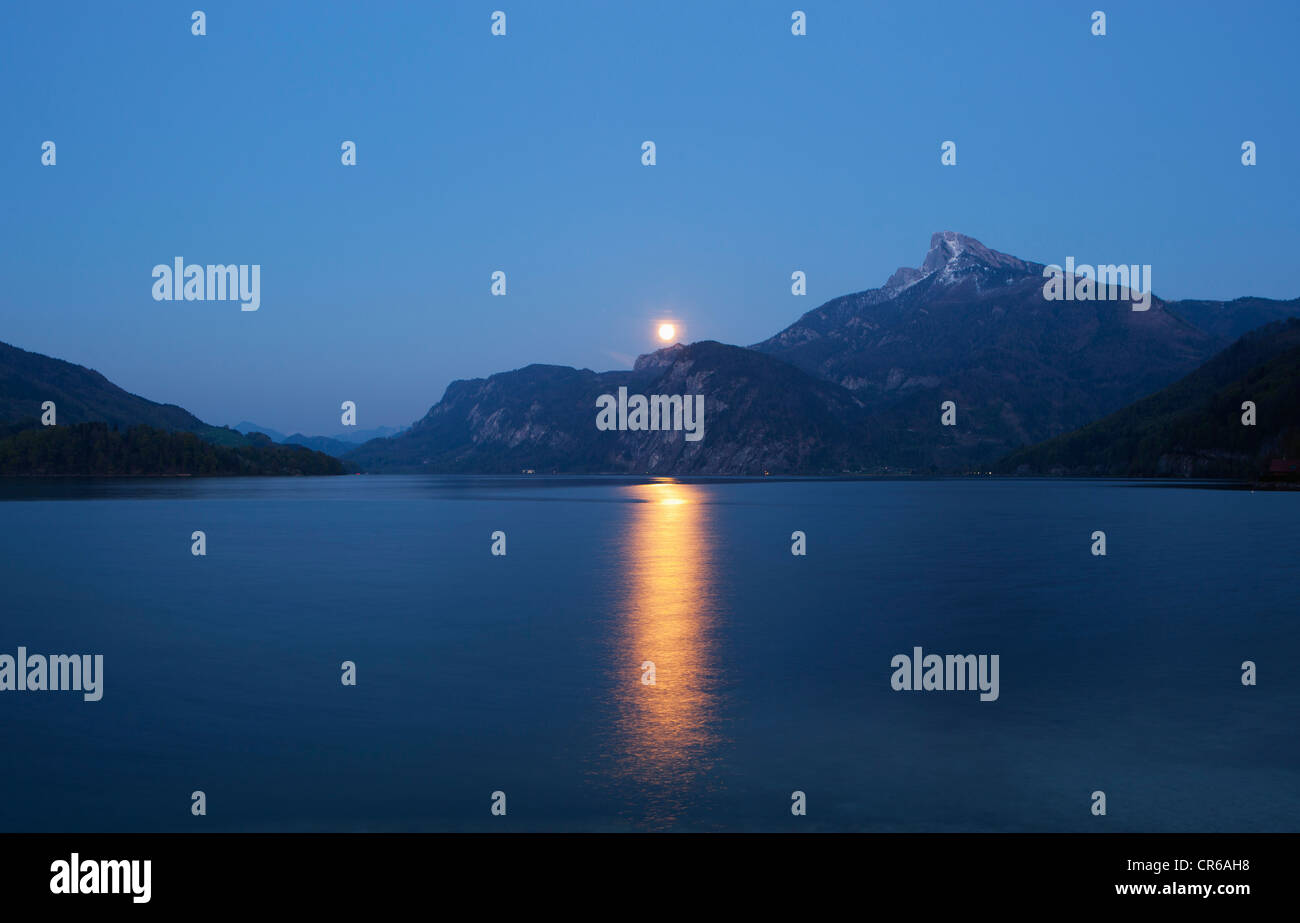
(970, 325)
(853, 385)
(762, 416)
(102, 429)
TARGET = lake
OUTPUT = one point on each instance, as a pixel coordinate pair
(523, 673)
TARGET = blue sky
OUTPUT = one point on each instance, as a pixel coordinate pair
(522, 153)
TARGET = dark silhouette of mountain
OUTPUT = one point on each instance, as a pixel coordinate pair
(971, 325)
(134, 426)
(100, 450)
(1193, 428)
(761, 416)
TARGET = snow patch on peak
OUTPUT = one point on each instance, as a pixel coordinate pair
(952, 256)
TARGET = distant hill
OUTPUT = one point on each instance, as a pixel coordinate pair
(337, 445)
(99, 450)
(761, 416)
(358, 436)
(1232, 319)
(245, 427)
(1193, 427)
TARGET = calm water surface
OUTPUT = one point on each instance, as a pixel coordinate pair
(523, 673)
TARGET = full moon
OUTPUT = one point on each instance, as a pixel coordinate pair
(667, 331)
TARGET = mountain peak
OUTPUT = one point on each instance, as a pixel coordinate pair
(953, 256)
(947, 247)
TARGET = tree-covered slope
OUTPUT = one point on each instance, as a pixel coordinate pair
(100, 450)
(1193, 427)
